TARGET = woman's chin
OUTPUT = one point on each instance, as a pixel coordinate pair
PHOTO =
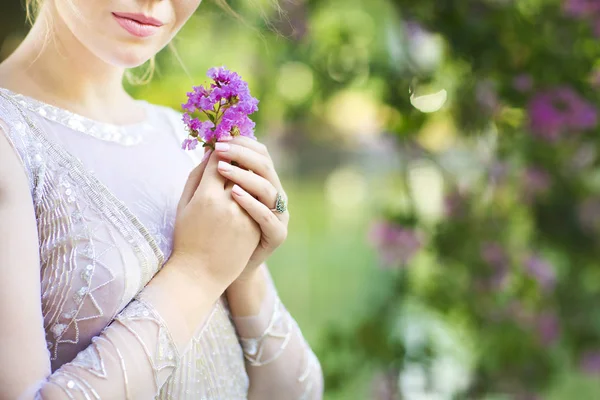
(129, 58)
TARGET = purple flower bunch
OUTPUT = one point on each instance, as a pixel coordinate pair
(225, 104)
(556, 111)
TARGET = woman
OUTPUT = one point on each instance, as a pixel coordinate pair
(152, 277)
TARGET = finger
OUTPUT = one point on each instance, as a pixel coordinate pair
(212, 178)
(251, 144)
(252, 183)
(193, 181)
(249, 159)
(274, 230)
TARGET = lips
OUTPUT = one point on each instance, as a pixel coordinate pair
(138, 24)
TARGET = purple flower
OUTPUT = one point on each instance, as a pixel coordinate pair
(588, 10)
(198, 129)
(189, 144)
(553, 112)
(223, 76)
(542, 271)
(226, 103)
(590, 362)
(396, 244)
(548, 328)
(523, 83)
(245, 126)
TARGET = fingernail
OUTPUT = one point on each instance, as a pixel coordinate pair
(221, 146)
(205, 156)
(226, 138)
(224, 166)
(237, 190)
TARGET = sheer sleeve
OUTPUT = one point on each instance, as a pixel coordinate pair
(130, 359)
(279, 361)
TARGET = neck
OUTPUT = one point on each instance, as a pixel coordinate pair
(52, 65)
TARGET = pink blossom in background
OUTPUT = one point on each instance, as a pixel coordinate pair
(561, 110)
(588, 10)
(396, 245)
(523, 83)
(581, 8)
(548, 328)
(542, 271)
(589, 362)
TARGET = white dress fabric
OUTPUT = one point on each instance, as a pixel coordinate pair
(105, 198)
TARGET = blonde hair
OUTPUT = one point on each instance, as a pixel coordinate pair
(32, 7)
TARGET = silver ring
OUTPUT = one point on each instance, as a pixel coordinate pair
(280, 204)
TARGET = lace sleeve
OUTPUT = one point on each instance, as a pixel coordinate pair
(280, 363)
(130, 359)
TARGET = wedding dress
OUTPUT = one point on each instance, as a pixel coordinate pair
(105, 198)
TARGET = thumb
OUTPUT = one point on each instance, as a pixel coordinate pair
(193, 181)
(212, 178)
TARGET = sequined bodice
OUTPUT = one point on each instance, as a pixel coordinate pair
(105, 199)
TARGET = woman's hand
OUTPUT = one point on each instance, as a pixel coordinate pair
(256, 187)
(213, 235)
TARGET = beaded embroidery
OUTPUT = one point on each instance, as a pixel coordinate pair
(123, 135)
